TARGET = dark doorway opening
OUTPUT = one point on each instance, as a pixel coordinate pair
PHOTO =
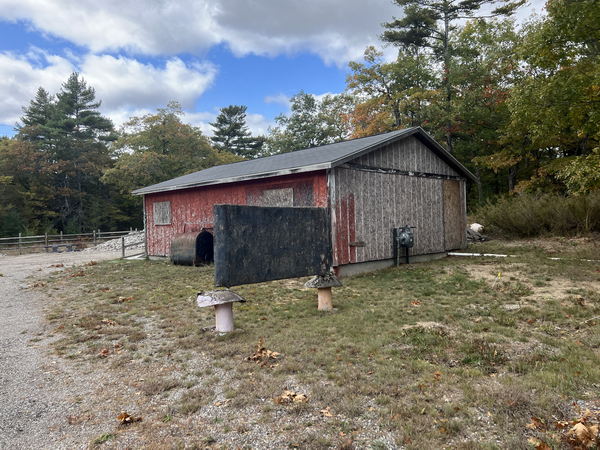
(205, 248)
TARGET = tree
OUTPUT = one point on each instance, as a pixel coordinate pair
(83, 135)
(231, 133)
(311, 122)
(37, 117)
(389, 95)
(485, 71)
(159, 146)
(430, 24)
(65, 156)
(555, 106)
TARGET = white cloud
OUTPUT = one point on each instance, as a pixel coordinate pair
(22, 76)
(123, 82)
(258, 124)
(279, 99)
(126, 86)
(201, 120)
(335, 31)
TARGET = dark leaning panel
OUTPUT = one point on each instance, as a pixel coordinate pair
(255, 244)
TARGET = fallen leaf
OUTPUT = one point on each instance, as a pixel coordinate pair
(437, 375)
(127, 419)
(124, 299)
(91, 263)
(415, 303)
(80, 273)
(262, 356)
(536, 424)
(104, 353)
(110, 323)
(538, 444)
(583, 435)
(326, 412)
(290, 397)
(57, 265)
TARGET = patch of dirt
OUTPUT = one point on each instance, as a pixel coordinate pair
(559, 288)
(557, 244)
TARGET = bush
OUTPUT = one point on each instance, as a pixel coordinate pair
(529, 215)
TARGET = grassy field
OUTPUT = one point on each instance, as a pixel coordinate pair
(456, 353)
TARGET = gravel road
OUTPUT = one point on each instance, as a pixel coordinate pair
(37, 389)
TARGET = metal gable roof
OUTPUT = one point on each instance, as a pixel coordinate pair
(316, 158)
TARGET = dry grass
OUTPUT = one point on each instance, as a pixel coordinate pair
(421, 356)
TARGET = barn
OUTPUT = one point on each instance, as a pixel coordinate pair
(370, 186)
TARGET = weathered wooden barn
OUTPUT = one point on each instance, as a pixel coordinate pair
(370, 186)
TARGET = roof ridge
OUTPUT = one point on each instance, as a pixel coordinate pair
(304, 160)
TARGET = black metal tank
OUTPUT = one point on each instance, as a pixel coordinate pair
(192, 249)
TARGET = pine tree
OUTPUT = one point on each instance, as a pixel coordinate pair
(82, 136)
(429, 24)
(34, 126)
(231, 133)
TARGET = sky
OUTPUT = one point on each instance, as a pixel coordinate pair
(205, 54)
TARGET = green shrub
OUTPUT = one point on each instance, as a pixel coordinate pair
(529, 215)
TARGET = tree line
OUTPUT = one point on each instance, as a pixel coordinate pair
(518, 105)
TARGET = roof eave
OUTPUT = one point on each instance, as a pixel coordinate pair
(276, 173)
(447, 155)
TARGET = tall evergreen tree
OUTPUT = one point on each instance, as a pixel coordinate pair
(69, 138)
(429, 24)
(231, 133)
(83, 134)
(36, 117)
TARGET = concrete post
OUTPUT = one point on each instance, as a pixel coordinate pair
(325, 300)
(224, 317)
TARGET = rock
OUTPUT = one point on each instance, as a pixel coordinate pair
(474, 236)
(476, 227)
(114, 245)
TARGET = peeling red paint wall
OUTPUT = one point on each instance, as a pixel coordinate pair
(192, 209)
(345, 236)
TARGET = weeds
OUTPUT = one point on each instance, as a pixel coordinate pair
(529, 215)
(421, 356)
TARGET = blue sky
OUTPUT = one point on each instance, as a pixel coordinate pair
(206, 54)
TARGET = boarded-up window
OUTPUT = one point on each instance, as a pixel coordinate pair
(277, 197)
(162, 213)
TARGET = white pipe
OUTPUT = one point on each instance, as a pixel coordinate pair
(224, 317)
(495, 255)
(478, 254)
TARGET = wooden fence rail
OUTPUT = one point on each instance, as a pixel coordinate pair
(56, 242)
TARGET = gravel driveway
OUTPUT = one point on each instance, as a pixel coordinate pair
(37, 389)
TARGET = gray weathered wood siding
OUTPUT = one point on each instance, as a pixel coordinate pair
(409, 154)
(366, 204)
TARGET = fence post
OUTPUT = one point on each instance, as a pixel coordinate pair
(19, 244)
(94, 232)
(46, 241)
(61, 236)
(122, 247)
